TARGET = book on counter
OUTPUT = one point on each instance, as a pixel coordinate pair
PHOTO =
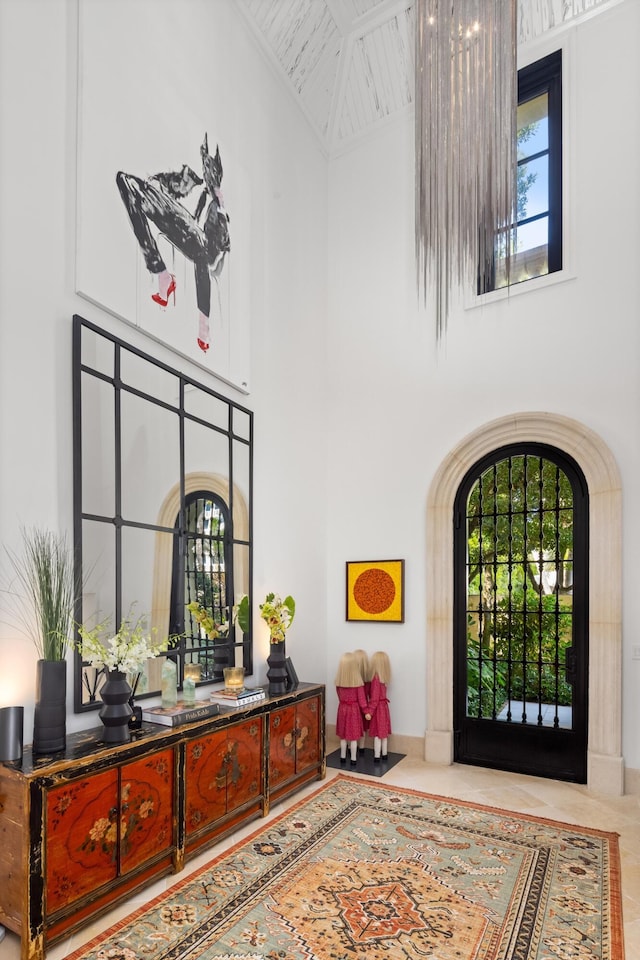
(237, 698)
(181, 713)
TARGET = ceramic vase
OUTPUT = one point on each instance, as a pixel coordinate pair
(50, 716)
(115, 711)
(277, 672)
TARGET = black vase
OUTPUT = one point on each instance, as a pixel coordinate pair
(50, 716)
(116, 710)
(277, 672)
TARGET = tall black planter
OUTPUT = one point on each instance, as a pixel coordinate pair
(50, 717)
(277, 672)
(115, 711)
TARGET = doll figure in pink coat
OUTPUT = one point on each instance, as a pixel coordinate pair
(363, 664)
(352, 706)
(380, 725)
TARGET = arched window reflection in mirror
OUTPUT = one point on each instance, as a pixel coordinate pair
(200, 577)
(149, 443)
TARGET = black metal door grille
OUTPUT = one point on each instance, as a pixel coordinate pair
(519, 593)
(521, 552)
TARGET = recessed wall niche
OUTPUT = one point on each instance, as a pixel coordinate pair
(163, 472)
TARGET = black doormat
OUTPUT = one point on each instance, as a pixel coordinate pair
(365, 762)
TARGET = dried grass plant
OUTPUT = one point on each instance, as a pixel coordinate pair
(43, 591)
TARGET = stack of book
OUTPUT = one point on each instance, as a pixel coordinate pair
(181, 713)
(229, 697)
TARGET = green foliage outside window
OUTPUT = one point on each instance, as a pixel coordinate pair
(519, 577)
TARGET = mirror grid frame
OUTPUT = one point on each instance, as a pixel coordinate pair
(237, 651)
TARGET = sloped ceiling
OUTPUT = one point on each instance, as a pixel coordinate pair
(349, 63)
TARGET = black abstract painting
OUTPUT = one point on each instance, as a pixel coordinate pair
(156, 207)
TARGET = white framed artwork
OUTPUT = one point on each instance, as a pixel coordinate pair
(163, 224)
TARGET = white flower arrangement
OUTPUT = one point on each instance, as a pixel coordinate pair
(126, 651)
(278, 615)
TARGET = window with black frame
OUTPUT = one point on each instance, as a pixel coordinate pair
(536, 241)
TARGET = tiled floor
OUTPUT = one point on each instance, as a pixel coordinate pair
(546, 798)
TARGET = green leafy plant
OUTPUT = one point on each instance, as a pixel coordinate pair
(241, 613)
(44, 590)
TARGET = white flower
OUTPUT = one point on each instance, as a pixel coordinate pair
(126, 651)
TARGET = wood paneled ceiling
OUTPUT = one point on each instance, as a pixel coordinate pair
(349, 63)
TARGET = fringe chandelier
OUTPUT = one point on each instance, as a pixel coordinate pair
(465, 129)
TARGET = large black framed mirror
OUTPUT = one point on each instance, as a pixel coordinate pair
(163, 473)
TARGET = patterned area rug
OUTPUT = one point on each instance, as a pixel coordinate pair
(363, 871)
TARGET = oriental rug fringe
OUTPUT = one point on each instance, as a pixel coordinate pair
(362, 871)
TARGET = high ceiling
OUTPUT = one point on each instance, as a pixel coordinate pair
(349, 63)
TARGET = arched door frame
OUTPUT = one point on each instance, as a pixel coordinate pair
(605, 764)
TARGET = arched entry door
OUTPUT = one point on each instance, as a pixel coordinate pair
(520, 613)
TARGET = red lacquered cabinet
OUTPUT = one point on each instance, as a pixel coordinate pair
(223, 774)
(294, 750)
(105, 825)
(86, 828)
(146, 809)
(81, 853)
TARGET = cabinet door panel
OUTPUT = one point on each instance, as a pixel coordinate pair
(243, 763)
(81, 851)
(282, 745)
(307, 733)
(146, 823)
(205, 780)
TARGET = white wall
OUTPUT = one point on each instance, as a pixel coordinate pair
(232, 86)
(399, 404)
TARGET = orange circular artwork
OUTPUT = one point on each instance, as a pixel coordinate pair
(374, 591)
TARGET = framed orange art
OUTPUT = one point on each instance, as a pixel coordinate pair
(375, 590)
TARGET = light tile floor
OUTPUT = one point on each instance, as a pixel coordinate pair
(569, 803)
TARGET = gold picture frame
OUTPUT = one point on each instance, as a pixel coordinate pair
(375, 590)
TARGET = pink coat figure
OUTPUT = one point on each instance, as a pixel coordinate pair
(380, 725)
(352, 706)
(363, 664)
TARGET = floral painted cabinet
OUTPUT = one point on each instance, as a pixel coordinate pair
(223, 773)
(82, 838)
(294, 741)
(87, 828)
(146, 809)
(105, 825)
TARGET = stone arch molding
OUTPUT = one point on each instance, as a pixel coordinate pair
(605, 764)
